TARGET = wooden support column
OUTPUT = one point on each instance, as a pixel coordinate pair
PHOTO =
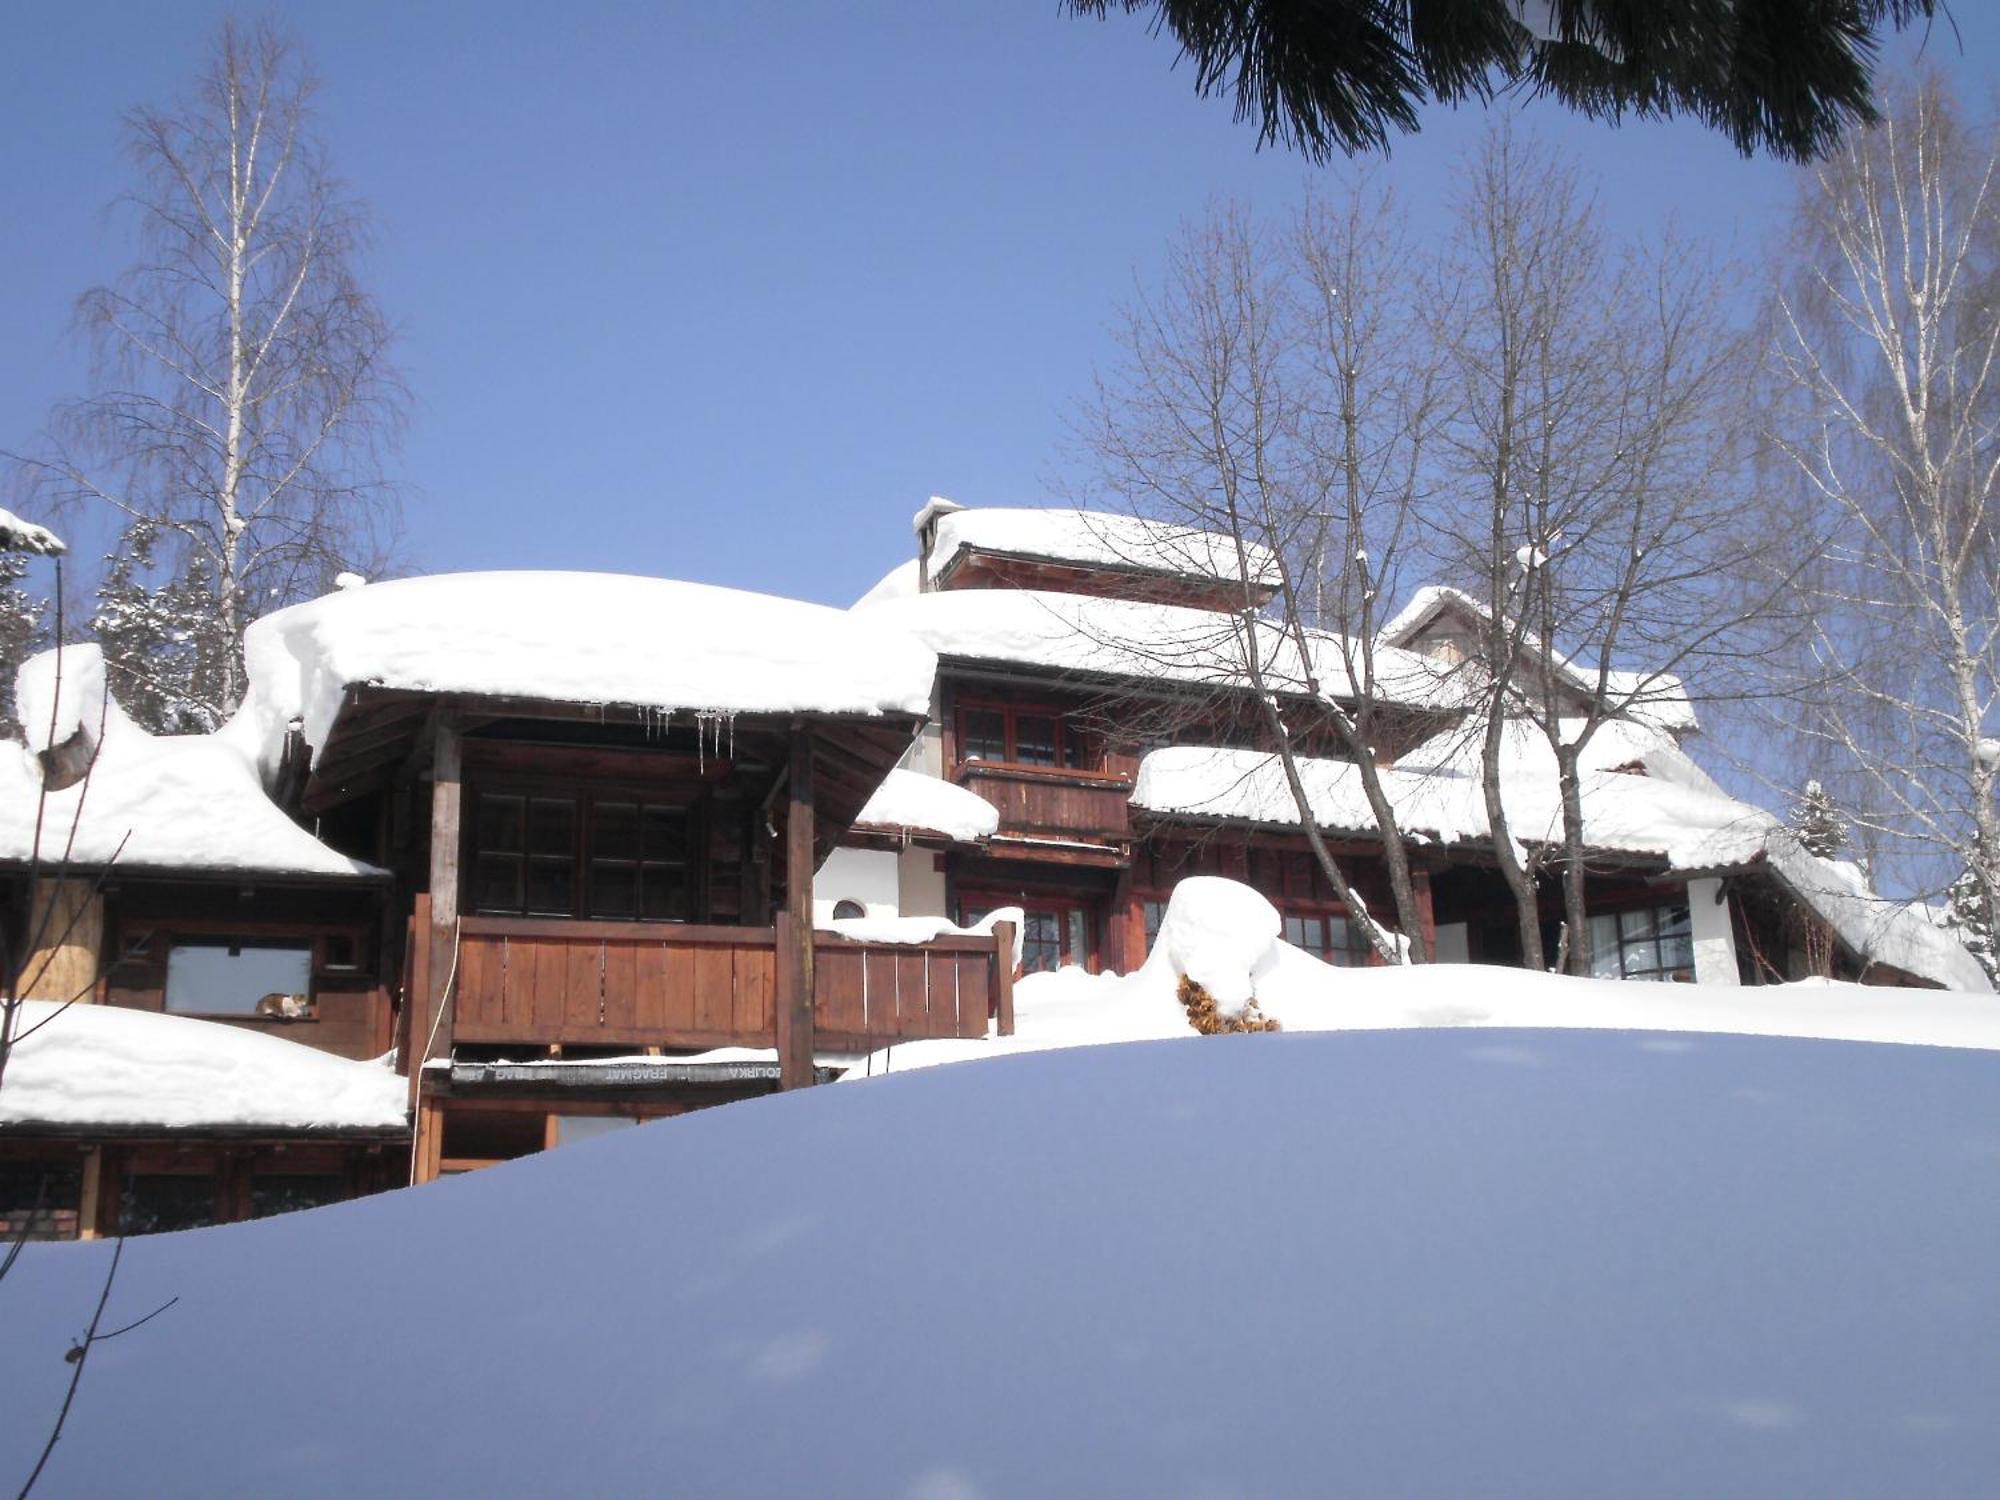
(1003, 977)
(430, 1036)
(795, 945)
(90, 1204)
(1420, 887)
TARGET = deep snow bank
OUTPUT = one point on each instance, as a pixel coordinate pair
(1225, 935)
(1558, 1264)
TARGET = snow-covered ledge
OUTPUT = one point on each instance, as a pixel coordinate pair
(1714, 935)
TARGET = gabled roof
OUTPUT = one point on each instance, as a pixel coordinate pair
(1088, 538)
(185, 803)
(1654, 697)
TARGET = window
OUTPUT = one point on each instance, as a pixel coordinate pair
(620, 859)
(1334, 939)
(1155, 914)
(1655, 943)
(848, 911)
(217, 977)
(1004, 734)
(573, 1128)
(1052, 936)
(40, 1201)
(161, 1202)
(288, 1192)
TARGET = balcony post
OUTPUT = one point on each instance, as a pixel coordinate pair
(446, 799)
(795, 957)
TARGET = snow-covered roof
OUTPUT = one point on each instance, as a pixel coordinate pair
(17, 535)
(1096, 539)
(1653, 697)
(189, 803)
(580, 638)
(900, 582)
(1139, 640)
(104, 1065)
(1682, 819)
(910, 801)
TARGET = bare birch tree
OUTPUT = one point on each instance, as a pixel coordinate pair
(1597, 429)
(1267, 394)
(244, 391)
(1887, 359)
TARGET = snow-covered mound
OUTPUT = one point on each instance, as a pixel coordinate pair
(106, 1065)
(1553, 1264)
(580, 638)
(185, 802)
(1219, 933)
(1226, 936)
(910, 801)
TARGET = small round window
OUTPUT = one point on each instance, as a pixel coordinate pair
(848, 911)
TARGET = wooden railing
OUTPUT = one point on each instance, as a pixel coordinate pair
(1052, 802)
(661, 984)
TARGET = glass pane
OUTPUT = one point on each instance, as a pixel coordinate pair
(552, 826)
(1641, 958)
(1035, 740)
(665, 833)
(550, 887)
(1076, 947)
(40, 1201)
(1677, 952)
(1295, 932)
(1347, 947)
(1041, 942)
(1075, 747)
(290, 1192)
(663, 893)
(496, 882)
(614, 890)
(1673, 921)
(573, 1128)
(157, 1203)
(1638, 924)
(984, 734)
(614, 830)
(498, 830)
(1156, 912)
(220, 979)
(1604, 961)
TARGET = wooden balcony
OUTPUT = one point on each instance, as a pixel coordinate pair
(1049, 803)
(544, 983)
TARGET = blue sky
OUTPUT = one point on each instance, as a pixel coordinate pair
(723, 292)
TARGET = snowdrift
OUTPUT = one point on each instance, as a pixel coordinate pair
(1429, 1263)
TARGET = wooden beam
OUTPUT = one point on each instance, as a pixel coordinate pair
(1003, 975)
(447, 815)
(795, 1039)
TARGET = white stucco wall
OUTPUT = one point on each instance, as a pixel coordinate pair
(869, 876)
(1714, 936)
(920, 882)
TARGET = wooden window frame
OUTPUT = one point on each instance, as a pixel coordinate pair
(583, 801)
(978, 901)
(1615, 912)
(158, 939)
(1085, 754)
